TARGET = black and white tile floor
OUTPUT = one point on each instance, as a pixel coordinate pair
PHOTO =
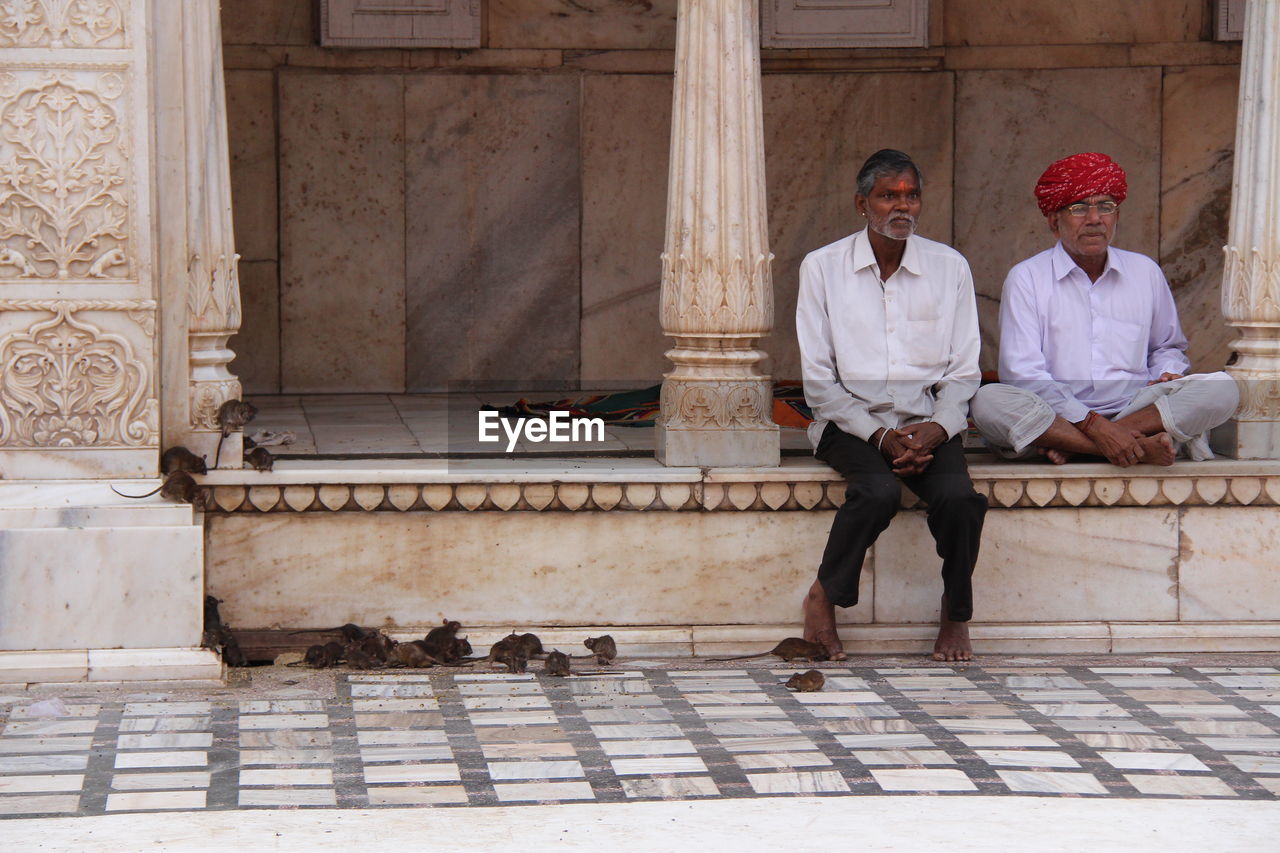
(652, 731)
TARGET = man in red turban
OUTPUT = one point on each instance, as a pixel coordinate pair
(1077, 177)
(1092, 357)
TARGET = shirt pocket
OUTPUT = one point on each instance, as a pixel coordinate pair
(926, 343)
(1122, 344)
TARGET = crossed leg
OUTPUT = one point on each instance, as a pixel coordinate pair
(1062, 440)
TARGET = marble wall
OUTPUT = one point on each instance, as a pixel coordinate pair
(492, 219)
(411, 219)
(1010, 125)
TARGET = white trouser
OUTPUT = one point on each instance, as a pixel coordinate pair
(1010, 418)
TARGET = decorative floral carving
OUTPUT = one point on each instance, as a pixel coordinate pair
(1251, 287)
(213, 293)
(701, 404)
(62, 23)
(66, 383)
(63, 209)
(207, 398)
(704, 296)
(1259, 398)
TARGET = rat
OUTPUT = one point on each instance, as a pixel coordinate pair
(510, 650)
(530, 645)
(604, 647)
(179, 458)
(260, 459)
(557, 664)
(377, 645)
(411, 655)
(810, 681)
(322, 657)
(513, 657)
(358, 658)
(176, 486)
(232, 415)
(442, 643)
(792, 648)
(218, 636)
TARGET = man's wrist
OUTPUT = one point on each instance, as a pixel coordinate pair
(1090, 420)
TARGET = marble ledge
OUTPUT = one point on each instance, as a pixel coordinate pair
(1007, 638)
(110, 665)
(86, 504)
(643, 485)
(517, 470)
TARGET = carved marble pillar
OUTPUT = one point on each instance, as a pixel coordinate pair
(78, 389)
(213, 288)
(1251, 275)
(717, 291)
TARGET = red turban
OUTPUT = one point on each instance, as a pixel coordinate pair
(1080, 176)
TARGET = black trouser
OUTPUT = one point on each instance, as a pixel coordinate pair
(872, 498)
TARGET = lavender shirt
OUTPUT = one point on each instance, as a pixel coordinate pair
(1084, 345)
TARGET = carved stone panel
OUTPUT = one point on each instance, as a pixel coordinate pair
(77, 374)
(65, 191)
(844, 23)
(400, 23)
(64, 23)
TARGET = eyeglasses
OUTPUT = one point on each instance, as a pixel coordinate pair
(1104, 208)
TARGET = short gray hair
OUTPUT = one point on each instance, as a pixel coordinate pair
(885, 162)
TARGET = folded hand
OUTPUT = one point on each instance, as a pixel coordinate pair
(1118, 444)
(910, 449)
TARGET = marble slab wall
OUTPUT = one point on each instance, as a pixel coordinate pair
(1010, 125)
(819, 129)
(1228, 564)
(625, 153)
(1122, 565)
(101, 587)
(515, 568)
(1197, 143)
(407, 230)
(254, 193)
(1015, 22)
(269, 22)
(343, 230)
(492, 224)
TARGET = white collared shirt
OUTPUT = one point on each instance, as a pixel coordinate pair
(1084, 345)
(887, 354)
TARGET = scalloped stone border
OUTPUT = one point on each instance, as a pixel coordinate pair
(765, 495)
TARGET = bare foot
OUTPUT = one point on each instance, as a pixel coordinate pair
(1159, 449)
(1057, 457)
(953, 639)
(820, 622)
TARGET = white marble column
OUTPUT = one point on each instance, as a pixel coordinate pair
(212, 281)
(1251, 276)
(717, 291)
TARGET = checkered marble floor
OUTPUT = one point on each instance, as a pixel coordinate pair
(458, 738)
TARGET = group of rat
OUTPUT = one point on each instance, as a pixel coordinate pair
(370, 648)
(178, 464)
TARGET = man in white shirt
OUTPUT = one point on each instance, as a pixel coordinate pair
(1092, 358)
(888, 332)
